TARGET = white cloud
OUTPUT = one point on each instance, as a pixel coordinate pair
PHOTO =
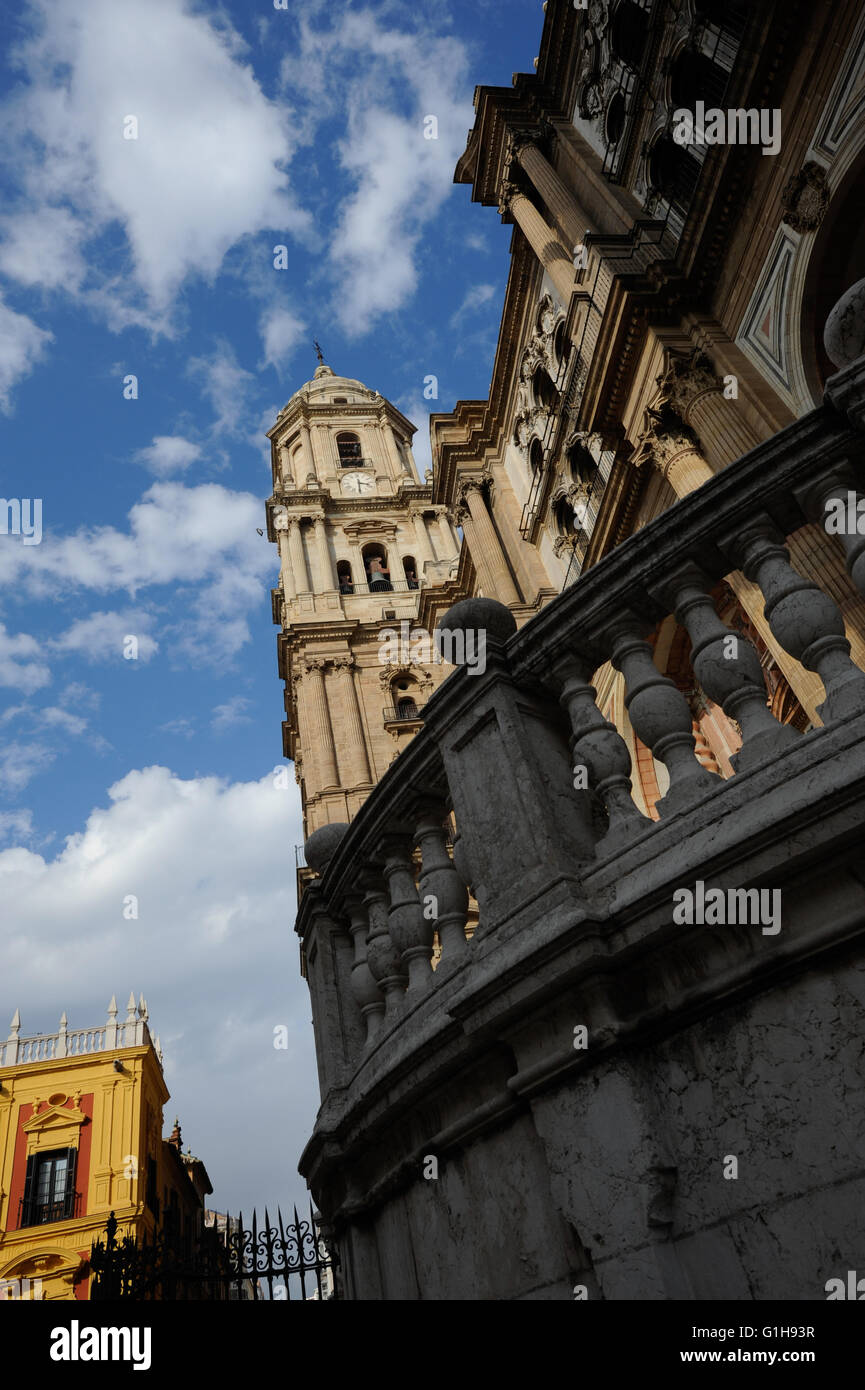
(474, 299)
(23, 665)
(207, 168)
(281, 332)
(231, 713)
(22, 343)
(417, 410)
(21, 762)
(202, 536)
(183, 727)
(207, 861)
(389, 81)
(169, 453)
(228, 387)
(16, 825)
(43, 248)
(102, 636)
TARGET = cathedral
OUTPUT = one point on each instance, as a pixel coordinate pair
(539, 1079)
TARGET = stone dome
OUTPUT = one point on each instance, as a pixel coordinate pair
(326, 388)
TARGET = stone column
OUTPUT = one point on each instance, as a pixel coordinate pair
(289, 584)
(322, 729)
(554, 192)
(676, 456)
(552, 255)
(449, 541)
(697, 396)
(485, 548)
(355, 740)
(424, 545)
(285, 460)
(325, 567)
(399, 463)
(307, 453)
(297, 552)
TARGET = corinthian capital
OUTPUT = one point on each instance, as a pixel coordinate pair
(687, 379)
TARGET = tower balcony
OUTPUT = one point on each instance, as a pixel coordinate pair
(642, 999)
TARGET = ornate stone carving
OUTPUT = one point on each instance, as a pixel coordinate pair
(684, 380)
(530, 418)
(806, 198)
(392, 672)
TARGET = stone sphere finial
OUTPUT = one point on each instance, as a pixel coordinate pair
(480, 615)
(322, 843)
(844, 334)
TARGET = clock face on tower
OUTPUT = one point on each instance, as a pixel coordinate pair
(358, 483)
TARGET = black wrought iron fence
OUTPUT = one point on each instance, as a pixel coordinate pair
(230, 1262)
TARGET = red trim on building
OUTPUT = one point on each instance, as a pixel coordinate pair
(19, 1170)
(19, 1161)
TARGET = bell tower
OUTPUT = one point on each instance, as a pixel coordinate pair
(365, 559)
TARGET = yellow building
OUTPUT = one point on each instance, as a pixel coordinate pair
(81, 1117)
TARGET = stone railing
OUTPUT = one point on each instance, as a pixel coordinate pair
(500, 745)
(78, 1042)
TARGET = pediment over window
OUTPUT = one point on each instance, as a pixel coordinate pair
(56, 1125)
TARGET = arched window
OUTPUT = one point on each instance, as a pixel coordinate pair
(628, 33)
(560, 343)
(348, 448)
(673, 171)
(375, 565)
(344, 577)
(614, 121)
(404, 696)
(544, 391)
(693, 78)
(410, 569)
(582, 465)
(536, 455)
(567, 524)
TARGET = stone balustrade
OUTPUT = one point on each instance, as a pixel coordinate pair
(573, 883)
(500, 748)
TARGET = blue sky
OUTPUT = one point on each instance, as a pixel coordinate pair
(154, 257)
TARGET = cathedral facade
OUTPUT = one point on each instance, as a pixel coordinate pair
(583, 928)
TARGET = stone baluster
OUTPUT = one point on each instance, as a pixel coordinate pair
(440, 881)
(660, 716)
(410, 930)
(808, 624)
(830, 500)
(382, 954)
(598, 747)
(367, 994)
(728, 668)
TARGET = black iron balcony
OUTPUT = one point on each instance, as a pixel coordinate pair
(35, 1213)
(401, 713)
